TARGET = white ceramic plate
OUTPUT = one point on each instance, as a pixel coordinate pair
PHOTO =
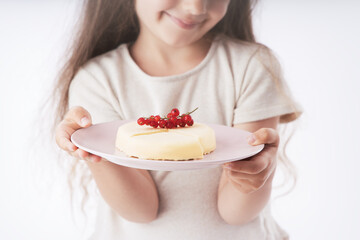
(231, 145)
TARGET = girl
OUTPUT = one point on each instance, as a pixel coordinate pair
(138, 58)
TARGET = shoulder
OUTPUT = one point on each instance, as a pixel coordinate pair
(101, 71)
(239, 51)
(236, 47)
(106, 63)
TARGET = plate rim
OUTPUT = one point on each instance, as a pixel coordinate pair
(171, 165)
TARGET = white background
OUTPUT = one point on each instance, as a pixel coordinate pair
(317, 43)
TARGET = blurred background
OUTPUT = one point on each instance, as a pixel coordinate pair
(317, 43)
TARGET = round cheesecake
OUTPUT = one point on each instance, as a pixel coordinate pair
(182, 143)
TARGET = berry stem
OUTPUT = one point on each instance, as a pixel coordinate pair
(192, 111)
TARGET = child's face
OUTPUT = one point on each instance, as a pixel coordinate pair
(179, 22)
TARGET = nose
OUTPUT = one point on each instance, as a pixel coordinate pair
(195, 7)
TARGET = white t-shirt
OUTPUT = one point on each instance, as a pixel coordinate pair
(231, 85)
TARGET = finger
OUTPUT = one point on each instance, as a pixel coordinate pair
(251, 182)
(78, 117)
(82, 154)
(95, 158)
(62, 137)
(242, 185)
(264, 136)
(253, 165)
(256, 180)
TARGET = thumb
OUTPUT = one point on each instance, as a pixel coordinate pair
(264, 136)
(79, 116)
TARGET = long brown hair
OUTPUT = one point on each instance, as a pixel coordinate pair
(105, 24)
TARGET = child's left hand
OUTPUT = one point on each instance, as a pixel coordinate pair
(251, 174)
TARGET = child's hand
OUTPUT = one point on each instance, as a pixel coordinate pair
(251, 174)
(75, 118)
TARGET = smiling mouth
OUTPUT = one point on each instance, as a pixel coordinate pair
(183, 24)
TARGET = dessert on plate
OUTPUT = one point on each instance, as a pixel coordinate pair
(173, 137)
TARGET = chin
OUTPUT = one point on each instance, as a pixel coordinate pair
(179, 42)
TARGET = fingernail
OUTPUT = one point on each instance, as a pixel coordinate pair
(251, 139)
(84, 121)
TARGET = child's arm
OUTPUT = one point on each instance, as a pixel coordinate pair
(245, 186)
(130, 192)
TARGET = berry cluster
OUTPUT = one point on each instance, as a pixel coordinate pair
(172, 120)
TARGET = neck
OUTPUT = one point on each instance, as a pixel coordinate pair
(149, 53)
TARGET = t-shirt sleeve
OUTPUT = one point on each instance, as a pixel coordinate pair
(93, 95)
(263, 93)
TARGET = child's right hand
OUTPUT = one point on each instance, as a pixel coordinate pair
(75, 118)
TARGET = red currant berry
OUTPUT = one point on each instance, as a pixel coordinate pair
(173, 120)
(157, 118)
(190, 122)
(169, 115)
(141, 121)
(153, 123)
(169, 124)
(162, 123)
(147, 121)
(187, 118)
(181, 122)
(175, 112)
